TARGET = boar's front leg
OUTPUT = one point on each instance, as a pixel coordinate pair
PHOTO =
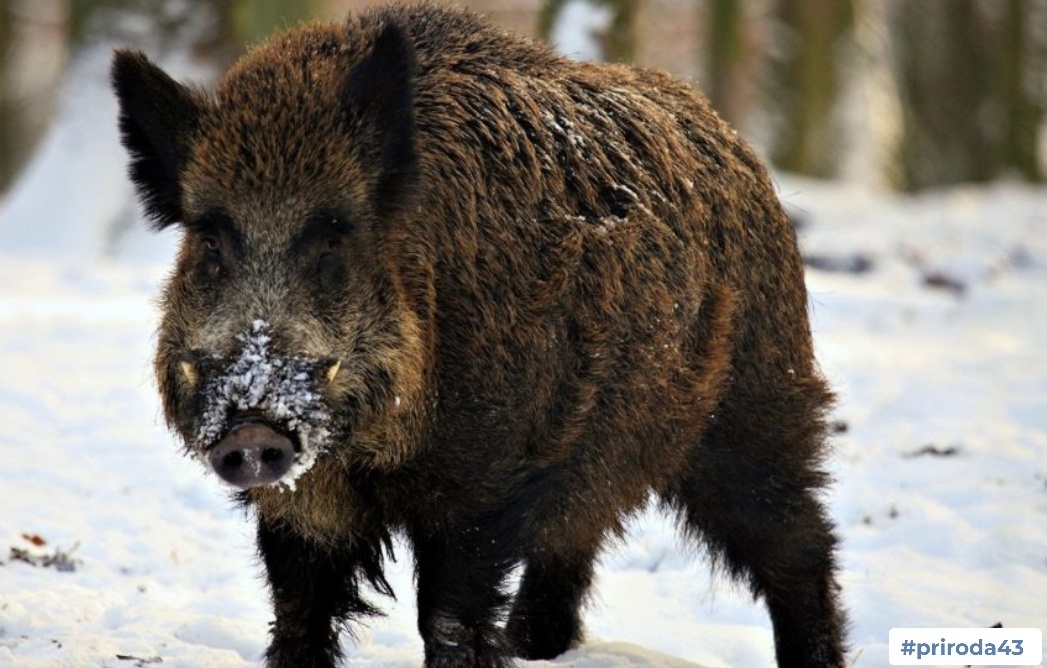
(315, 591)
(546, 619)
(461, 575)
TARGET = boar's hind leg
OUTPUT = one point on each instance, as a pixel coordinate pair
(752, 495)
(315, 590)
(545, 621)
(461, 595)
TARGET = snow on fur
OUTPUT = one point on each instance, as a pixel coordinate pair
(281, 388)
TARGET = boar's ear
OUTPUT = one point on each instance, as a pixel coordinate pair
(157, 115)
(379, 96)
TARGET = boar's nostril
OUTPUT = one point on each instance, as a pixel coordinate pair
(272, 455)
(233, 460)
(251, 455)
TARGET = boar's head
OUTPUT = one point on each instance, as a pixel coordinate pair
(285, 328)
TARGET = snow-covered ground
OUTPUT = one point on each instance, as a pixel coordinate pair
(934, 338)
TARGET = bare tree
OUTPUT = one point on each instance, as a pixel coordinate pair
(727, 58)
(6, 150)
(813, 44)
(32, 55)
(1023, 81)
(254, 21)
(972, 76)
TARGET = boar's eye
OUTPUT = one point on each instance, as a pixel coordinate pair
(210, 234)
(322, 246)
(330, 245)
(329, 268)
(211, 264)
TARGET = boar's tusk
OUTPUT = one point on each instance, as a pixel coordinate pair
(189, 371)
(333, 371)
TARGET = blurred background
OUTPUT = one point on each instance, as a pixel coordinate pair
(909, 143)
(899, 94)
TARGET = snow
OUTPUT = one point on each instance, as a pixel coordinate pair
(930, 540)
(164, 566)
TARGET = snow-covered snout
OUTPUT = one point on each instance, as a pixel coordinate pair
(260, 417)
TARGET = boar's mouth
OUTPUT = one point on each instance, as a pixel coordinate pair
(262, 419)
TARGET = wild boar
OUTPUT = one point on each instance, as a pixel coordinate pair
(437, 281)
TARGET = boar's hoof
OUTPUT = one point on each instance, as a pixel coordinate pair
(252, 455)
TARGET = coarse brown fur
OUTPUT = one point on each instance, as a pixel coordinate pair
(563, 287)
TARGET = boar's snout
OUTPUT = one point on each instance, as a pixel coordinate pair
(251, 455)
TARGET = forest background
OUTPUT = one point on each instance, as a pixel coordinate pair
(900, 94)
(908, 142)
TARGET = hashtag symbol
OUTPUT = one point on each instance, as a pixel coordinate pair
(908, 647)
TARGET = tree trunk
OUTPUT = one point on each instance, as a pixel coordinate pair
(6, 150)
(1023, 80)
(727, 59)
(254, 21)
(807, 71)
(946, 77)
(32, 54)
